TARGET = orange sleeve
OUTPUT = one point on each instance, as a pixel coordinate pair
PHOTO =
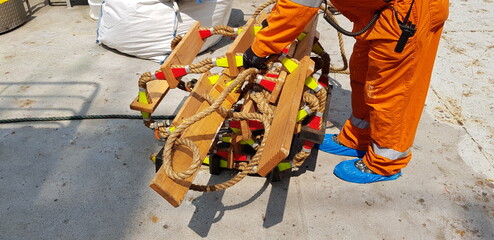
(285, 23)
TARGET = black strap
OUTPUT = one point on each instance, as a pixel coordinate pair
(408, 13)
(407, 30)
(348, 33)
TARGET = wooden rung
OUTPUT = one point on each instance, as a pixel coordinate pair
(277, 88)
(202, 133)
(248, 107)
(234, 149)
(241, 43)
(291, 50)
(183, 54)
(280, 136)
(263, 15)
(229, 98)
(156, 90)
(194, 100)
(304, 47)
(283, 125)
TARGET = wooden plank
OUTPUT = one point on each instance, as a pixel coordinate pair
(234, 149)
(248, 107)
(229, 98)
(304, 47)
(325, 118)
(241, 43)
(285, 118)
(263, 15)
(183, 54)
(291, 50)
(157, 90)
(202, 133)
(249, 104)
(278, 87)
(194, 100)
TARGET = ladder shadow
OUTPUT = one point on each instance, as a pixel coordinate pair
(210, 208)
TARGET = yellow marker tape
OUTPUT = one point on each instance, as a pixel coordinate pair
(213, 79)
(239, 60)
(311, 83)
(223, 163)
(146, 115)
(302, 113)
(250, 142)
(206, 160)
(289, 64)
(222, 62)
(257, 29)
(317, 48)
(301, 36)
(230, 82)
(142, 97)
(153, 159)
(171, 129)
(238, 30)
(284, 166)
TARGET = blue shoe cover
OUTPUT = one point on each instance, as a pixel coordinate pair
(330, 146)
(347, 171)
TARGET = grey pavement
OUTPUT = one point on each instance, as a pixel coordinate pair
(89, 179)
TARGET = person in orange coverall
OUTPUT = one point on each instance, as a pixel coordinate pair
(389, 87)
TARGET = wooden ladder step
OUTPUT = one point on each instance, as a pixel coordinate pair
(202, 133)
(183, 54)
(284, 122)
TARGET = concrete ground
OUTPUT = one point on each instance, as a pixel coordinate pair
(89, 179)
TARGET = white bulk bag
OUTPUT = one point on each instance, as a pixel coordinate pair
(145, 28)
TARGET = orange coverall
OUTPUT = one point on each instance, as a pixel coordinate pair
(388, 88)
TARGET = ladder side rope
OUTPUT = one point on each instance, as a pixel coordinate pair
(342, 70)
(262, 7)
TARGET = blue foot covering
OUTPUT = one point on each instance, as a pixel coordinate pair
(330, 146)
(347, 171)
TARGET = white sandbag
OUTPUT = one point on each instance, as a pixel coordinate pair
(145, 28)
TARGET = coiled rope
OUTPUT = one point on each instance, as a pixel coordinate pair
(344, 68)
(262, 7)
(174, 139)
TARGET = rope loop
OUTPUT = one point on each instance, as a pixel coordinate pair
(196, 161)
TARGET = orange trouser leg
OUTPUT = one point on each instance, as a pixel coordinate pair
(356, 131)
(396, 84)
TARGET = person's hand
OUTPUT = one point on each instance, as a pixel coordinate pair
(251, 60)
